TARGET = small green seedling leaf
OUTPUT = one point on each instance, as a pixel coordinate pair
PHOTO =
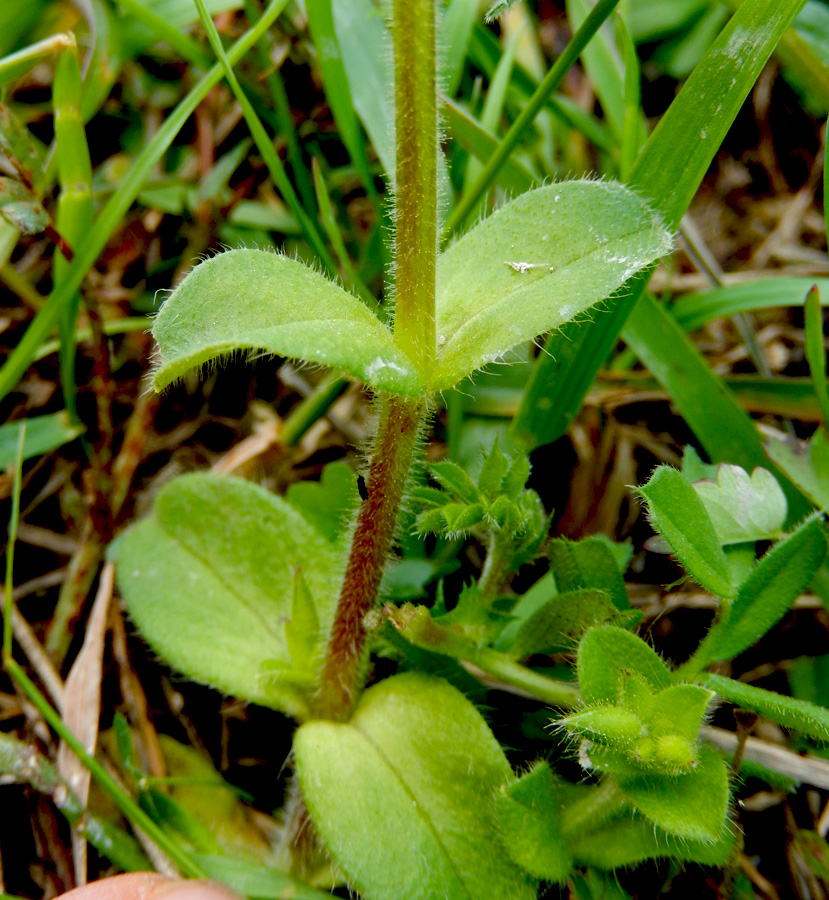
(800, 715)
(589, 563)
(43, 434)
(329, 503)
(692, 806)
(423, 771)
(208, 579)
(607, 654)
(245, 300)
(561, 622)
(806, 463)
(772, 586)
(742, 507)
(693, 468)
(528, 820)
(679, 515)
(536, 263)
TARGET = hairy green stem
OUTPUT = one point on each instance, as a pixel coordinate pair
(394, 448)
(416, 187)
(550, 690)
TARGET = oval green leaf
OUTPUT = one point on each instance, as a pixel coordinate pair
(536, 263)
(245, 300)
(208, 579)
(404, 795)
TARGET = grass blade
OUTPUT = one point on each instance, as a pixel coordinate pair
(111, 215)
(324, 34)
(551, 81)
(816, 350)
(265, 144)
(725, 431)
(75, 210)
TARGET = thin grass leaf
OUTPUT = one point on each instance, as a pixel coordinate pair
(116, 792)
(481, 143)
(22, 764)
(604, 66)
(695, 310)
(329, 56)
(75, 210)
(698, 119)
(16, 64)
(709, 408)
(169, 30)
(14, 522)
(359, 25)
(816, 350)
(265, 144)
(112, 214)
(43, 434)
(485, 51)
(633, 132)
(550, 83)
(334, 234)
(491, 115)
(457, 26)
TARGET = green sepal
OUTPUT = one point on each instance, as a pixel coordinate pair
(692, 805)
(678, 514)
(632, 840)
(680, 710)
(611, 726)
(529, 822)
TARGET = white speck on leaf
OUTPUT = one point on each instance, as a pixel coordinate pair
(523, 267)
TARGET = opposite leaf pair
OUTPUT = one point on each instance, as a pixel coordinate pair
(540, 261)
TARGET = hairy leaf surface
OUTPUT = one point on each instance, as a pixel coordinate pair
(255, 300)
(422, 771)
(534, 264)
(208, 579)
